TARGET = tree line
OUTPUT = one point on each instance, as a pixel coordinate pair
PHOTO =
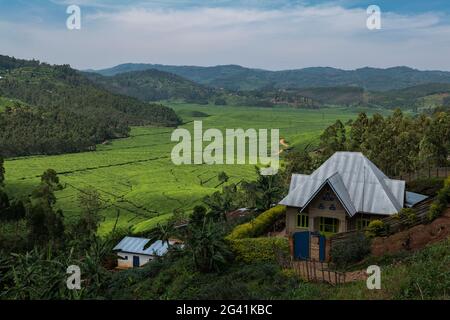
(397, 144)
(62, 111)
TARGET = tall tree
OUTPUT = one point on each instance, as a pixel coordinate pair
(357, 131)
(2, 171)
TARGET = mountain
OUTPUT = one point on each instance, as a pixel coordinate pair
(234, 77)
(153, 85)
(56, 109)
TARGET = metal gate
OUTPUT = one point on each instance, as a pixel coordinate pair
(305, 250)
(301, 245)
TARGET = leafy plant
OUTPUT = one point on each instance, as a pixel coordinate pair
(265, 249)
(349, 251)
(375, 228)
(259, 225)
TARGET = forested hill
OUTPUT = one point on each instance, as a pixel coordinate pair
(153, 85)
(59, 110)
(235, 77)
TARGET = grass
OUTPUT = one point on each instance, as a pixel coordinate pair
(135, 175)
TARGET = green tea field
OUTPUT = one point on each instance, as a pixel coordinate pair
(135, 176)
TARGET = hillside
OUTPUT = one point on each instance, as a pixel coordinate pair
(153, 85)
(420, 96)
(235, 77)
(60, 110)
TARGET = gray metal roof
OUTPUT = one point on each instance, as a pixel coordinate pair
(136, 245)
(359, 184)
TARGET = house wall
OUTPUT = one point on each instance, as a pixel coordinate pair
(314, 212)
(125, 259)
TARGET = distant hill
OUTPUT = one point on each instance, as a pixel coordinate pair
(429, 95)
(153, 85)
(233, 77)
(56, 109)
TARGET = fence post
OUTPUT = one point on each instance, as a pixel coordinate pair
(323, 273)
(307, 271)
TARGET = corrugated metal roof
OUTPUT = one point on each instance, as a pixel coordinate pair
(136, 245)
(359, 184)
(412, 198)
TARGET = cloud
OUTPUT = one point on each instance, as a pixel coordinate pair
(273, 38)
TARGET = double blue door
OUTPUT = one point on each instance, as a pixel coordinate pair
(135, 261)
(302, 246)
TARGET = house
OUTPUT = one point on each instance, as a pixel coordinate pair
(132, 251)
(345, 193)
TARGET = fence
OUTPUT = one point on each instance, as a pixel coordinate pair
(441, 172)
(311, 270)
(395, 223)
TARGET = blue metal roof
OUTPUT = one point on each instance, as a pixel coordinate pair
(412, 198)
(136, 245)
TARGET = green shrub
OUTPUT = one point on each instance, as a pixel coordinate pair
(252, 250)
(350, 251)
(408, 216)
(375, 228)
(258, 226)
(441, 202)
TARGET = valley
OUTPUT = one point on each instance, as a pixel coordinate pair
(135, 175)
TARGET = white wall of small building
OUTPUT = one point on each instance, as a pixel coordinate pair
(125, 259)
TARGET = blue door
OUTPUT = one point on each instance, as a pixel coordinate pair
(135, 261)
(301, 245)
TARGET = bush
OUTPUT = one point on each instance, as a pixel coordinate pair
(349, 251)
(441, 202)
(259, 249)
(259, 225)
(408, 216)
(375, 228)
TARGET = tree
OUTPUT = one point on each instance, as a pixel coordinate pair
(264, 192)
(206, 246)
(198, 215)
(333, 139)
(298, 161)
(2, 172)
(220, 203)
(357, 131)
(90, 204)
(44, 224)
(223, 178)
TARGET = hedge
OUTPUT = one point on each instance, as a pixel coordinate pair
(258, 226)
(441, 202)
(265, 249)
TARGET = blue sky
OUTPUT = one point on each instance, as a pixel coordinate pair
(282, 34)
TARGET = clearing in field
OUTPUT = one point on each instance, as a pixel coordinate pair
(135, 176)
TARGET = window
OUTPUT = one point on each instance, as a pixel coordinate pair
(330, 225)
(302, 221)
(362, 223)
(332, 207)
(328, 196)
(321, 206)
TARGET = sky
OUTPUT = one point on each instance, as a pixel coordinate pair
(267, 34)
